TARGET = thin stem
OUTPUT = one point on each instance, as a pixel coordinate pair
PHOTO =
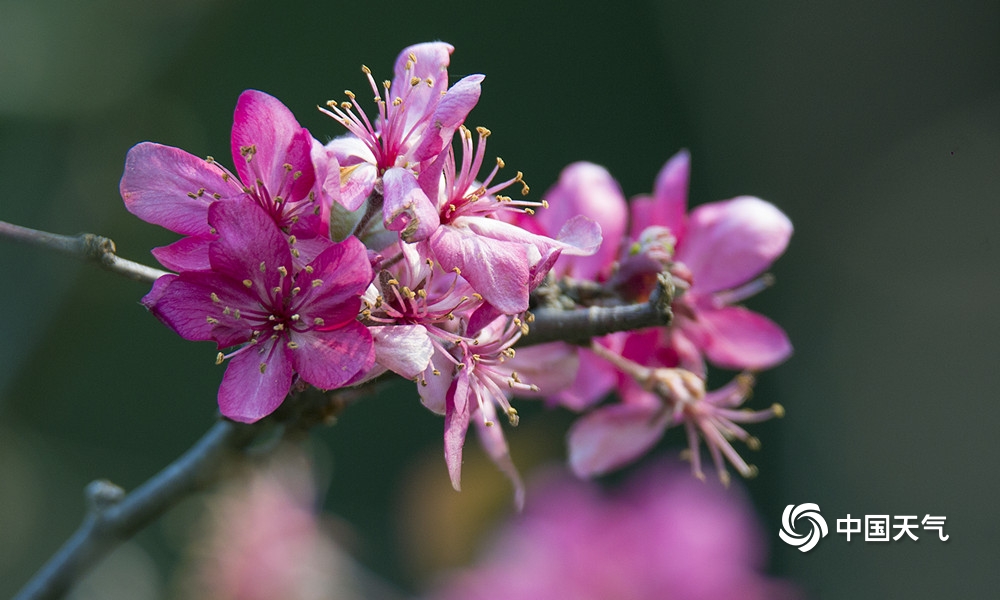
(581, 325)
(113, 516)
(88, 246)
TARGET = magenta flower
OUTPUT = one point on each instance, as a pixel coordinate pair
(272, 153)
(721, 250)
(288, 322)
(417, 116)
(652, 401)
(661, 536)
(716, 255)
(502, 261)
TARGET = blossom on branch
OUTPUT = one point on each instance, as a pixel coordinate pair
(287, 322)
(272, 154)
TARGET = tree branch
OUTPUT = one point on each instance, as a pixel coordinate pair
(114, 516)
(581, 325)
(87, 246)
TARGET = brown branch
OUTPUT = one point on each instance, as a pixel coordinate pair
(581, 325)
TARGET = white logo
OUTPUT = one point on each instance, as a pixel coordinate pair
(817, 531)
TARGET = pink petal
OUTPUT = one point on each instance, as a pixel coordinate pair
(186, 254)
(589, 190)
(262, 121)
(403, 349)
(357, 170)
(332, 291)
(551, 367)
(184, 302)
(167, 186)
(730, 242)
(742, 339)
(669, 202)
(496, 269)
(456, 423)
(329, 359)
(611, 437)
(407, 208)
(432, 60)
(595, 378)
(450, 112)
(256, 382)
(248, 238)
(435, 394)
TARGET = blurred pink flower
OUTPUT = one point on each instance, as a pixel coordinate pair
(265, 541)
(663, 536)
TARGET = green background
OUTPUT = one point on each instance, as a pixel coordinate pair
(874, 126)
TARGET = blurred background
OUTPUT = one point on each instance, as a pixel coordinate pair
(874, 126)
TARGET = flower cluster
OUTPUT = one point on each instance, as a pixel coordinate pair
(716, 256)
(382, 250)
(396, 247)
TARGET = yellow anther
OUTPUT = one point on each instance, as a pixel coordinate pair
(292, 346)
(263, 367)
(248, 283)
(483, 132)
(282, 270)
(778, 410)
(212, 320)
(309, 269)
(501, 163)
(319, 322)
(263, 267)
(215, 297)
(219, 358)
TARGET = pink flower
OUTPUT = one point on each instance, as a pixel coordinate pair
(167, 186)
(263, 540)
(716, 255)
(289, 321)
(662, 536)
(502, 261)
(652, 401)
(417, 116)
(721, 249)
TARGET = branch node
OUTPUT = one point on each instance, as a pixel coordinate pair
(102, 494)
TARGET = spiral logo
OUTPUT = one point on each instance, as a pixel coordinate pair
(804, 542)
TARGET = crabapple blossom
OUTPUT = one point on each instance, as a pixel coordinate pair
(286, 322)
(272, 154)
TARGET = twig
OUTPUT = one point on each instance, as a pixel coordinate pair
(581, 325)
(88, 246)
(113, 516)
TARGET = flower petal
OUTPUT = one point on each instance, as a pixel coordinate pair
(589, 190)
(261, 121)
(250, 247)
(456, 424)
(329, 359)
(407, 208)
(611, 437)
(185, 303)
(496, 269)
(256, 382)
(431, 68)
(738, 338)
(168, 187)
(403, 349)
(730, 242)
(449, 114)
(668, 204)
(186, 254)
